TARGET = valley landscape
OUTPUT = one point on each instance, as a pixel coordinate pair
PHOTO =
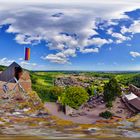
(70, 69)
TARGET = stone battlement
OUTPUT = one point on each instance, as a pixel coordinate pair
(135, 90)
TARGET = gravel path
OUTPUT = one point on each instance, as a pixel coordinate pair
(91, 117)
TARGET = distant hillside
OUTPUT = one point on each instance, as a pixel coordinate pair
(2, 68)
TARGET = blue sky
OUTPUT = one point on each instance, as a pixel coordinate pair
(71, 35)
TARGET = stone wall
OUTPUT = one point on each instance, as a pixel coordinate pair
(10, 85)
(135, 90)
(25, 81)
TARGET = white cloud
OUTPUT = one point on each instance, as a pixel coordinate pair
(110, 31)
(67, 33)
(90, 50)
(5, 61)
(134, 28)
(70, 52)
(74, 1)
(20, 59)
(62, 41)
(135, 54)
(61, 57)
(28, 65)
(124, 30)
(56, 58)
(23, 39)
(97, 42)
(120, 38)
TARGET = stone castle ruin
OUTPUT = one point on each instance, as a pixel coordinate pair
(14, 76)
(16, 95)
(135, 90)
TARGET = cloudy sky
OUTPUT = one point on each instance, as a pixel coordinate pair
(71, 35)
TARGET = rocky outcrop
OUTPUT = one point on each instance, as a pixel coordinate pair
(21, 104)
(18, 97)
(25, 81)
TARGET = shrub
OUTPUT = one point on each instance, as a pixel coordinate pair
(55, 92)
(90, 90)
(74, 97)
(100, 89)
(48, 94)
(109, 104)
(106, 114)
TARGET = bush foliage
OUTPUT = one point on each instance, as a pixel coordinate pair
(90, 90)
(55, 92)
(48, 94)
(74, 97)
(109, 104)
(106, 114)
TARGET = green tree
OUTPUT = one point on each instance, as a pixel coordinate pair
(74, 97)
(136, 80)
(111, 90)
(55, 92)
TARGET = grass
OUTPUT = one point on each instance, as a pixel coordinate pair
(45, 78)
(2, 68)
(42, 82)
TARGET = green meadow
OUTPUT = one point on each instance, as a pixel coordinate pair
(42, 82)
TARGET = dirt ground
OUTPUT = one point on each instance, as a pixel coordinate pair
(119, 109)
(91, 117)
